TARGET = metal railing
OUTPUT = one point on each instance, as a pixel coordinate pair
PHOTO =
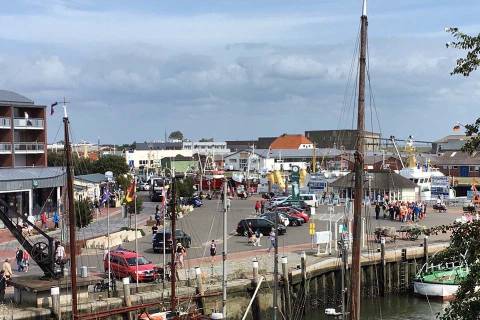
(5, 123)
(5, 147)
(28, 123)
(29, 147)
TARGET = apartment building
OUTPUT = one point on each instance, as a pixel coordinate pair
(27, 185)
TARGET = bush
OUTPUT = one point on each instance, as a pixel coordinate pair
(84, 213)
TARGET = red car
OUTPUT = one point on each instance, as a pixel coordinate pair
(123, 264)
(294, 212)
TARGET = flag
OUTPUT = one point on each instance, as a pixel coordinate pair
(130, 196)
(52, 107)
(105, 197)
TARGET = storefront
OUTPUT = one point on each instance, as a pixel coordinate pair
(30, 191)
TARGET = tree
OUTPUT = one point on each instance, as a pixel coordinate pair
(116, 164)
(84, 213)
(465, 66)
(206, 140)
(185, 187)
(176, 135)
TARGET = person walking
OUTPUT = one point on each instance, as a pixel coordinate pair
(213, 251)
(271, 237)
(18, 259)
(56, 219)
(157, 218)
(180, 254)
(377, 211)
(44, 219)
(257, 207)
(3, 285)
(7, 269)
(25, 261)
(229, 202)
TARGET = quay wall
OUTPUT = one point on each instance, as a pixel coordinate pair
(321, 288)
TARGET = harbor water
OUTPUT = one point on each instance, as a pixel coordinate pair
(395, 308)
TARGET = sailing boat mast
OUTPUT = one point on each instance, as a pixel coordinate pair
(359, 167)
(71, 214)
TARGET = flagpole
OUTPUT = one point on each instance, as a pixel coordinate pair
(136, 242)
(108, 238)
(164, 209)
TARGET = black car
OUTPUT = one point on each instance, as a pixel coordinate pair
(292, 221)
(181, 237)
(264, 226)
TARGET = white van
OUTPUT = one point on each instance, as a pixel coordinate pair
(310, 199)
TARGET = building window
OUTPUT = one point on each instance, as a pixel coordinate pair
(232, 160)
(454, 167)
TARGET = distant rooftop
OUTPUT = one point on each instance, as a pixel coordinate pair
(13, 97)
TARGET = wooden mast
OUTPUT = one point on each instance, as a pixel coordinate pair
(71, 215)
(359, 173)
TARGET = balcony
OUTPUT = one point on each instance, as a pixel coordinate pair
(32, 123)
(5, 123)
(29, 147)
(5, 148)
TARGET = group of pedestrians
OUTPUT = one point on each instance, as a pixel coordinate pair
(260, 206)
(254, 237)
(23, 260)
(402, 211)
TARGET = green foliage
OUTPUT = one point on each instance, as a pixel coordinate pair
(185, 187)
(124, 181)
(465, 66)
(80, 165)
(206, 140)
(176, 135)
(464, 239)
(84, 213)
(116, 164)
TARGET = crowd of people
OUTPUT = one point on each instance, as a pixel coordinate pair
(402, 211)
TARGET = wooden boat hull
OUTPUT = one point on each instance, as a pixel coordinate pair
(440, 291)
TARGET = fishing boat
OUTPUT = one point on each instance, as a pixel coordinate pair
(440, 281)
(431, 183)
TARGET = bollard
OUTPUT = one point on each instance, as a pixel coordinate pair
(256, 315)
(303, 265)
(200, 290)
(126, 297)
(425, 250)
(286, 288)
(55, 293)
(382, 267)
(83, 272)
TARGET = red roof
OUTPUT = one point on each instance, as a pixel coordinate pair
(289, 141)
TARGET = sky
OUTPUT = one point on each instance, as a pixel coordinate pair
(237, 69)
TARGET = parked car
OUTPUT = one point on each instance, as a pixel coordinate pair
(278, 200)
(282, 218)
(297, 212)
(123, 264)
(293, 211)
(310, 199)
(180, 237)
(264, 226)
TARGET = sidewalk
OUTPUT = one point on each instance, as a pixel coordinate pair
(8, 243)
